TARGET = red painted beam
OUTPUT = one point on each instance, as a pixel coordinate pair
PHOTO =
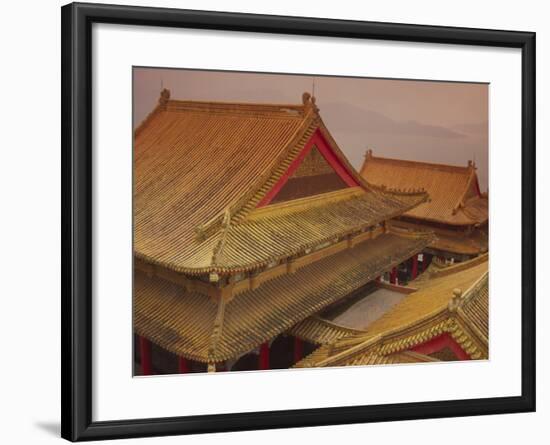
(145, 353)
(183, 365)
(298, 349)
(264, 356)
(440, 342)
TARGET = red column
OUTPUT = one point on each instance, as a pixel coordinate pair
(298, 349)
(378, 278)
(145, 353)
(183, 365)
(264, 356)
(393, 276)
(414, 266)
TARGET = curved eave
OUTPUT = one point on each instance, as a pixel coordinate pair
(187, 326)
(292, 251)
(446, 222)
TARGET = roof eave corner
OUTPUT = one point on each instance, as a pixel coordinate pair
(367, 157)
(310, 103)
(422, 193)
(162, 103)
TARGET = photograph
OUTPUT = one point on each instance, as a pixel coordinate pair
(274, 222)
(284, 221)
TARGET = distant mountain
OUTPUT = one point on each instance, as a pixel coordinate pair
(342, 117)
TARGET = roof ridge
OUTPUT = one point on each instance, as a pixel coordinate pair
(196, 105)
(218, 250)
(460, 297)
(165, 103)
(462, 201)
(361, 346)
(217, 329)
(409, 162)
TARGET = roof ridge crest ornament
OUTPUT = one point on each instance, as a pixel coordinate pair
(164, 97)
(216, 330)
(225, 226)
(161, 106)
(309, 102)
(368, 154)
(456, 300)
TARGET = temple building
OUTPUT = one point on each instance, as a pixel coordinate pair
(444, 316)
(457, 210)
(248, 219)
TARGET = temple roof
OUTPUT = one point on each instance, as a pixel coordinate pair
(317, 330)
(454, 300)
(472, 243)
(202, 170)
(202, 328)
(455, 198)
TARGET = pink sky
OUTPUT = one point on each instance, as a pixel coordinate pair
(440, 122)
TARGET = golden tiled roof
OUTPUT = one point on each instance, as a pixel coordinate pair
(201, 328)
(440, 270)
(472, 243)
(436, 308)
(282, 230)
(319, 331)
(474, 311)
(201, 168)
(453, 190)
(375, 358)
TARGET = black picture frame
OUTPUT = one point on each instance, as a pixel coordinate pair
(76, 129)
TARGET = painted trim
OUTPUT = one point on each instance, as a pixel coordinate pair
(440, 342)
(316, 140)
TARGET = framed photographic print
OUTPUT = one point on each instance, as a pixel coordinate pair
(278, 222)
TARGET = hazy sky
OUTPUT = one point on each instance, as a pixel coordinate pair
(439, 122)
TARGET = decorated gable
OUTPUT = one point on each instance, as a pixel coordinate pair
(312, 177)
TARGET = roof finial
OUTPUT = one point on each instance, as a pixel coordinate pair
(164, 96)
(455, 301)
(368, 153)
(309, 102)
